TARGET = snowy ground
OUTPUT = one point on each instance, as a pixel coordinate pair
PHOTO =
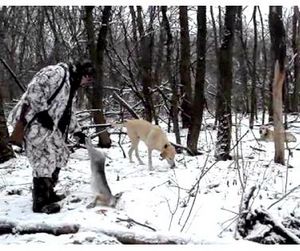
(166, 200)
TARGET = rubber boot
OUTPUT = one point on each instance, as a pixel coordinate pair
(54, 197)
(41, 191)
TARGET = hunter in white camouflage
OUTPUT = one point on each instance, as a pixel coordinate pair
(50, 117)
(44, 148)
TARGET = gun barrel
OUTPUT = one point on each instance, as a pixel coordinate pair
(13, 75)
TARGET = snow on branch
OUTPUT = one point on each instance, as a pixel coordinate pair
(145, 237)
(7, 227)
(126, 105)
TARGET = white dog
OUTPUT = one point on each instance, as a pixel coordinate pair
(267, 134)
(154, 138)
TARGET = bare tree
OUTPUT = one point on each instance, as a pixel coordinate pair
(265, 59)
(6, 151)
(216, 45)
(253, 74)
(171, 75)
(146, 54)
(199, 98)
(225, 86)
(241, 100)
(184, 67)
(296, 51)
(158, 73)
(97, 56)
(278, 47)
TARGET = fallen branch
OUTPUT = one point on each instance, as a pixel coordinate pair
(284, 196)
(95, 125)
(248, 198)
(90, 110)
(126, 105)
(185, 148)
(245, 223)
(264, 217)
(111, 88)
(132, 239)
(96, 134)
(146, 237)
(15, 228)
(257, 149)
(239, 140)
(130, 221)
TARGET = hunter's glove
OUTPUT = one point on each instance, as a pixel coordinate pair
(45, 120)
(80, 137)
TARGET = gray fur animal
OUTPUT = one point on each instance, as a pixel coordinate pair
(99, 183)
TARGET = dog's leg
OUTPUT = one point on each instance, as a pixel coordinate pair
(132, 148)
(137, 154)
(150, 159)
(130, 153)
(134, 142)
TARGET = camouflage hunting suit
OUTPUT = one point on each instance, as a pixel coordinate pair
(46, 149)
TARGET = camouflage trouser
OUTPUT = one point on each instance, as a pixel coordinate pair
(45, 150)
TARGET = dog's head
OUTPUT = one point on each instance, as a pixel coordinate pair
(168, 152)
(264, 131)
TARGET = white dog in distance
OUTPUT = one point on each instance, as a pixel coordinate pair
(267, 134)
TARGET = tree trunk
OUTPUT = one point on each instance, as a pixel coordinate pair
(97, 56)
(278, 48)
(171, 76)
(158, 73)
(40, 50)
(264, 51)
(104, 139)
(146, 49)
(6, 151)
(199, 98)
(241, 100)
(134, 28)
(138, 57)
(184, 68)
(217, 52)
(296, 50)
(271, 78)
(253, 77)
(225, 86)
